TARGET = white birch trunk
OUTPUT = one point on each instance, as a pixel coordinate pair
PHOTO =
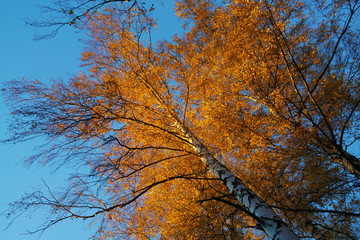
(272, 224)
(349, 162)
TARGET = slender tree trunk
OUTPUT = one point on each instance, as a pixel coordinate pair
(274, 227)
(338, 155)
(272, 224)
(349, 162)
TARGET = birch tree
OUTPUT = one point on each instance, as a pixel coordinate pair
(236, 129)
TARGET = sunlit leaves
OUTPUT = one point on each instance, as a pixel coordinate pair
(270, 88)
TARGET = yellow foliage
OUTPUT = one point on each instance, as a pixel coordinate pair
(262, 85)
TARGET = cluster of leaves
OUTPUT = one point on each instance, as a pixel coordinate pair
(271, 88)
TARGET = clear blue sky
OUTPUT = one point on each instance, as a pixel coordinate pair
(49, 59)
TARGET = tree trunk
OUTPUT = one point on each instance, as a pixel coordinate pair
(338, 155)
(272, 224)
(349, 162)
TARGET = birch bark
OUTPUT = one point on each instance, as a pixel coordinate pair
(338, 155)
(272, 224)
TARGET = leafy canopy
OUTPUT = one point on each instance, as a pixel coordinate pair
(269, 88)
